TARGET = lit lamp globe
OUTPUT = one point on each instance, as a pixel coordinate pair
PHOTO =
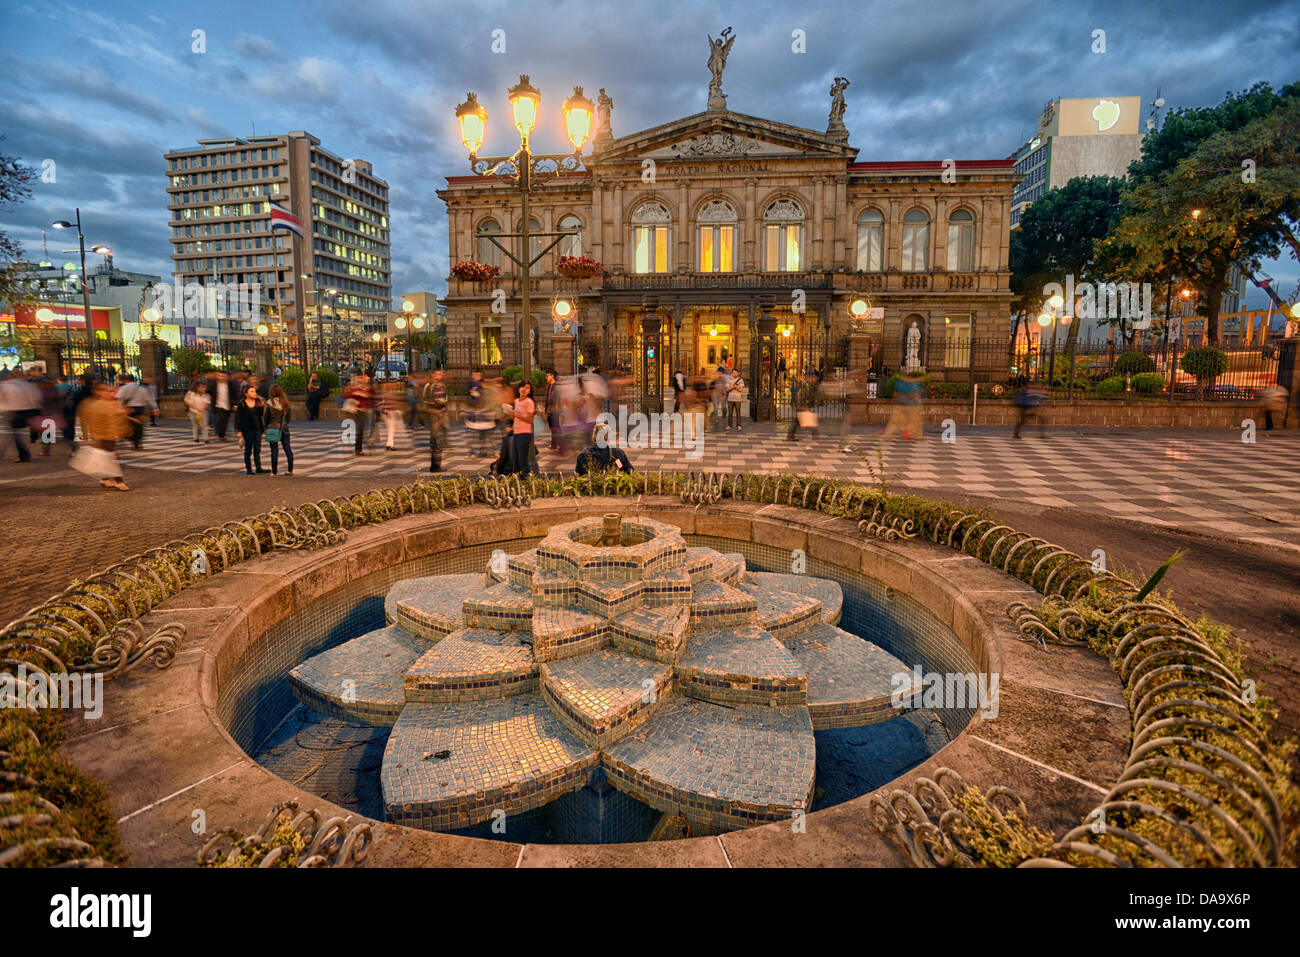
(858, 308)
(375, 337)
(562, 309)
(45, 315)
(472, 117)
(263, 328)
(1044, 320)
(1295, 311)
(417, 322)
(524, 100)
(400, 322)
(577, 118)
(786, 332)
(1056, 302)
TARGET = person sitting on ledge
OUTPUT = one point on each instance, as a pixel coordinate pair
(602, 453)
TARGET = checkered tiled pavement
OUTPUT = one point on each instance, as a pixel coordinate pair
(1206, 482)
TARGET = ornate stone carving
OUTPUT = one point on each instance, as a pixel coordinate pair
(716, 211)
(652, 212)
(711, 144)
(784, 210)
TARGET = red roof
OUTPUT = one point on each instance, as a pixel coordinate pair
(921, 165)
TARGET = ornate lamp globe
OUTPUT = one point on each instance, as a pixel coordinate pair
(417, 322)
(1044, 320)
(524, 101)
(562, 309)
(472, 117)
(400, 322)
(577, 111)
(858, 308)
(1056, 301)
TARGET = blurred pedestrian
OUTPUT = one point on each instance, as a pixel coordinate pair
(139, 403)
(392, 399)
(103, 421)
(277, 414)
(358, 399)
(433, 398)
(602, 453)
(551, 408)
(1273, 399)
(20, 401)
(222, 404)
(805, 401)
(1029, 399)
(198, 402)
(906, 414)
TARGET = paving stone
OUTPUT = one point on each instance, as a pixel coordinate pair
(453, 766)
(744, 665)
(472, 664)
(719, 766)
(850, 681)
(602, 695)
(360, 680)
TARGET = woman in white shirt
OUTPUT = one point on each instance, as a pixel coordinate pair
(198, 402)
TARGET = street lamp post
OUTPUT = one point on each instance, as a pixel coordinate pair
(85, 289)
(409, 323)
(523, 168)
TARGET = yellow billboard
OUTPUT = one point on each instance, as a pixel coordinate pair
(1098, 116)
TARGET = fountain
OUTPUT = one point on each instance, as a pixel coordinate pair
(611, 663)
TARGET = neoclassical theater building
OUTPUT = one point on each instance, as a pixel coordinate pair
(713, 222)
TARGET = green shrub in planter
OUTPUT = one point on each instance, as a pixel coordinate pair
(1132, 363)
(512, 374)
(1111, 386)
(1204, 363)
(1148, 383)
(292, 381)
(190, 362)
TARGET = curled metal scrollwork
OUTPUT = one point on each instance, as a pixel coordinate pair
(329, 843)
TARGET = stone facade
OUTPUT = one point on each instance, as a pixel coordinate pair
(719, 218)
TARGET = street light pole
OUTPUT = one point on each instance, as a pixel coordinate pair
(85, 289)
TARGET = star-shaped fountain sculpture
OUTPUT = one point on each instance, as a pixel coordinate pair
(695, 683)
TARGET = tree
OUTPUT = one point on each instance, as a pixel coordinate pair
(14, 188)
(1057, 238)
(1195, 207)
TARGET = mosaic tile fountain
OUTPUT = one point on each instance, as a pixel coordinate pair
(610, 656)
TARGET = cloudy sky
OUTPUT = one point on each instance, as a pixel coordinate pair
(105, 89)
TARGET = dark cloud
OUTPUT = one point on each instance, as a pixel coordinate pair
(380, 81)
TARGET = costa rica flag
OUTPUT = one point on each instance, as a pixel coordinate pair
(281, 218)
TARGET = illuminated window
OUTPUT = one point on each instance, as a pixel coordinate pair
(716, 234)
(916, 241)
(488, 252)
(961, 241)
(651, 226)
(783, 236)
(571, 245)
(871, 241)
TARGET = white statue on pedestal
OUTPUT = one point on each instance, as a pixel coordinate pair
(912, 363)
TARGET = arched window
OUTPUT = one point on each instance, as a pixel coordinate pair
(716, 235)
(871, 241)
(534, 240)
(488, 252)
(783, 236)
(916, 241)
(961, 241)
(570, 245)
(651, 225)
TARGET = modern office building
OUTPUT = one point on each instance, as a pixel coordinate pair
(221, 194)
(1097, 136)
